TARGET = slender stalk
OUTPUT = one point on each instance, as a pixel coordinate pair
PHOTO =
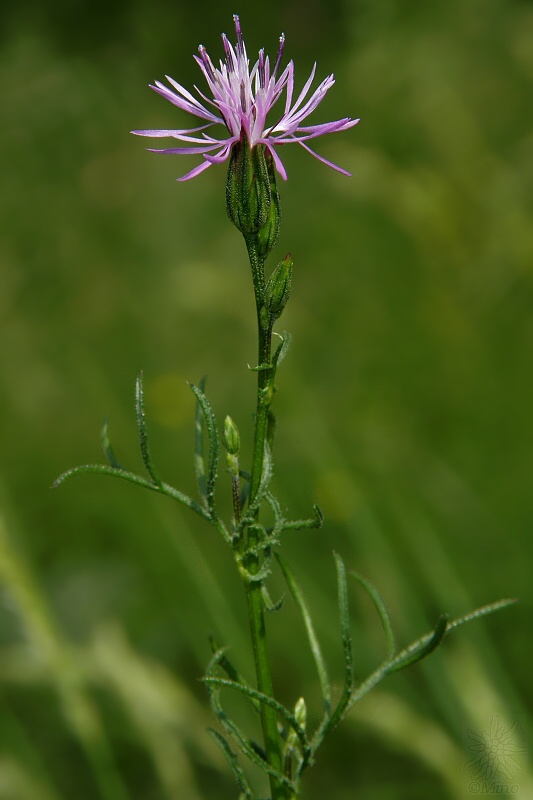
(269, 721)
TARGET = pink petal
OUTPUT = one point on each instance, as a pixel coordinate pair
(176, 134)
(194, 172)
(277, 160)
(325, 161)
(185, 151)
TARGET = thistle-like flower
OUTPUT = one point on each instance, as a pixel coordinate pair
(241, 101)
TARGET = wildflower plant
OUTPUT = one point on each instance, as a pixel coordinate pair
(257, 108)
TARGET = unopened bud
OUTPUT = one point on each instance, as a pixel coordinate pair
(300, 712)
(277, 291)
(232, 441)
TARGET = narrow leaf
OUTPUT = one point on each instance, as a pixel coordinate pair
(107, 448)
(381, 609)
(309, 628)
(279, 521)
(252, 694)
(233, 729)
(344, 611)
(272, 427)
(245, 492)
(300, 524)
(143, 434)
(348, 688)
(234, 764)
(270, 606)
(260, 367)
(282, 348)
(266, 477)
(422, 647)
(212, 459)
(427, 643)
(483, 611)
(199, 463)
(225, 664)
(131, 477)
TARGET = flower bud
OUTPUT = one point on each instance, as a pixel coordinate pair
(232, 441)
(248, 194)
(277, 291)
(300, 712)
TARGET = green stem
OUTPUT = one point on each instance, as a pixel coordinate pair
(269, 721)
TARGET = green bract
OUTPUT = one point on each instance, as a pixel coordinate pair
(248, 195)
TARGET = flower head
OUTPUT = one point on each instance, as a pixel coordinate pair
(241, 99)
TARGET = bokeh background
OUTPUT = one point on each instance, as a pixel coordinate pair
(405, 405)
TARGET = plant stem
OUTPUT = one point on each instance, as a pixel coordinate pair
(269, 722)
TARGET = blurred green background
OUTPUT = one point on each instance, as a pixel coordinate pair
(405, 404)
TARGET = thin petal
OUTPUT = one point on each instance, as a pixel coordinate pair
(327, 127)
(176, 134)
(186, 94)
(193, 107)
(313, 131)
(220, 157)
(277, 160)
(194, 172)
(290, 84)
(199, 140)
(185, 151)
(304, 91)
(293, 118)
(325, 161)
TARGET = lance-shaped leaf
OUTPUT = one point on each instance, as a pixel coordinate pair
(329, 723)
(483, 611)
(143, 434)
(268, 603)
(213, 452)
(272, 427)
(225, 664)
(266, 477)
(301, 524)
(427, 643)
(423, 647)
(381, 609)
(282, 349)
(347, 646)
(238, 774)
(131, 477)
(245, 491)
(279, 522)
(107, 447)
(199, 462)
(264, 699)
(233, 730)
(310, 630)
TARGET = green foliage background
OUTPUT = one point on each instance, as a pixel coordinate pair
(404, 408)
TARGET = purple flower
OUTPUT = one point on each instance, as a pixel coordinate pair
(241, 101)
